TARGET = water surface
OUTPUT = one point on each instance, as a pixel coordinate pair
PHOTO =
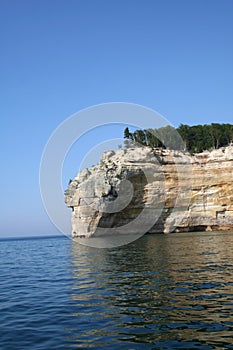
(159, 292)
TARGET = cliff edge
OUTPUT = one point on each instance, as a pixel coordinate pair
(153, 190)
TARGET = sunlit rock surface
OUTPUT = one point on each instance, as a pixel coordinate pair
(153, 190)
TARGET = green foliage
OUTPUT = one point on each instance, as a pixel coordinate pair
(194, 139)
(127, 133)
(198, 138)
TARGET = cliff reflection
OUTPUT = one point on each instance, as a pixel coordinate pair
(175, 288)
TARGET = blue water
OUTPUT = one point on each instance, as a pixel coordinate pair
(159, 292)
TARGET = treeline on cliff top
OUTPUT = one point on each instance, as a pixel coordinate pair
(194, 139)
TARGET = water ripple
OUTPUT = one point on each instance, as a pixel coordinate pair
(160, 292)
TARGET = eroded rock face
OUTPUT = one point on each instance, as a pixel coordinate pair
(155, 191)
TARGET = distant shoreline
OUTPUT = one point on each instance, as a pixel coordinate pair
(15, 238)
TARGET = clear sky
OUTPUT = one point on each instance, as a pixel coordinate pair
(60, 56)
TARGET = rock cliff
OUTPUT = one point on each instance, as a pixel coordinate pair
(140, 189)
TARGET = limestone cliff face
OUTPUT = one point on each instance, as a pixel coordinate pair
(154, 191)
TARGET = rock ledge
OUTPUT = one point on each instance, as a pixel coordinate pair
(170, 190)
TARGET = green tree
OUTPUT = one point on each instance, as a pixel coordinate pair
(195, 139)
(140, 137)
(183, 130)
(127, 134)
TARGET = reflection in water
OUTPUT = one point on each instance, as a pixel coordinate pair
(160, 292)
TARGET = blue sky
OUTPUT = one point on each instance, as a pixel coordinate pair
(58, 57)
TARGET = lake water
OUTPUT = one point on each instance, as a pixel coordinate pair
(159, 292)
